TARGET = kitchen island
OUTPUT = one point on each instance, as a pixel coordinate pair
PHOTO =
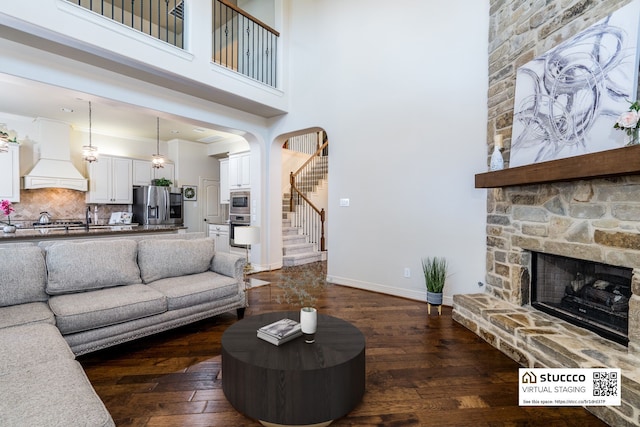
(81, 232)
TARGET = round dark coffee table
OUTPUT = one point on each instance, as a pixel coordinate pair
(294, 383)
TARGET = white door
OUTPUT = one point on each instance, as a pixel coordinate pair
(209, 195)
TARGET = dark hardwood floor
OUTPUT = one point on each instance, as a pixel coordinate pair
(421, 370)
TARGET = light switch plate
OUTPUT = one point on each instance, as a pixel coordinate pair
(344, 202)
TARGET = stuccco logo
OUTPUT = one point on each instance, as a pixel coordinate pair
(563, 378)
(569, 386)
(529, 377)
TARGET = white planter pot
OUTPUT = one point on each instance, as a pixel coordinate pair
(9, 228)
(309, 323)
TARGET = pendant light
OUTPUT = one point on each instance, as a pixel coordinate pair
(157, 160)
(89, 152)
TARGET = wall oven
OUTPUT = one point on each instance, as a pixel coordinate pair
(237, 221)
(240, 203)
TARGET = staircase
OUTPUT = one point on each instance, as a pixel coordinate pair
(298, 248)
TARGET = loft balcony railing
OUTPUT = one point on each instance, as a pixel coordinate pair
(240, 41)
(244, 43)
(162, 19)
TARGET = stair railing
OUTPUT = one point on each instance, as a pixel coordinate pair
(310, 217)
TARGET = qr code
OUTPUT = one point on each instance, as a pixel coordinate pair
(605, 384)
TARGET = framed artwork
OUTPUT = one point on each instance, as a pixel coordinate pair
(190, 192)
(568, 99)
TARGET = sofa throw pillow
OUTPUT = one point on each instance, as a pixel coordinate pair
(22, 275)
(161, 258)
(85, 266)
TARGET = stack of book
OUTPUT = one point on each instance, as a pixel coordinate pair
(280, 332)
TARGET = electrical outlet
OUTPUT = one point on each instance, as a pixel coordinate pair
(407, 272)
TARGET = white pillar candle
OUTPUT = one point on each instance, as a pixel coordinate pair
(309, 323)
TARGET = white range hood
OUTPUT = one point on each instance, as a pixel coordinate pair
(54, 168)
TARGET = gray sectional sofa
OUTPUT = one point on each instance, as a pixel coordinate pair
(62, 299)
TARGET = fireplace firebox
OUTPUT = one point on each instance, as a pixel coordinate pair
(588, 294)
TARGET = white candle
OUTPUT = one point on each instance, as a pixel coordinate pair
(497, 141)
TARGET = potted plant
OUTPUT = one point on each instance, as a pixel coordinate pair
(435, 274)
(7, 208)
(162, 182)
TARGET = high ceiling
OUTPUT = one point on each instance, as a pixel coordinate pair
(32, 99)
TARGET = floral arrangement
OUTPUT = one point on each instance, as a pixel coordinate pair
(629, 122)
(302, 285)
(7, 208)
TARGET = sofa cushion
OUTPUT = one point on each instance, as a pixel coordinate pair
(56, 393)
(89, 310)
(187, 291)
(32, 344)
(159, 259)
(22, 314)
(23, 277)
(97, 264)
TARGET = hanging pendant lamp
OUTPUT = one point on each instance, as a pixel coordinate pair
(157, 160)
(90, 152)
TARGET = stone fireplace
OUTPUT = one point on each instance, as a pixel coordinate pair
(594, 223)
(588, 294)
(586, 233)
(586, 208)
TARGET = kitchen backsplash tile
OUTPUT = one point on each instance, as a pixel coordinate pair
(61, 203)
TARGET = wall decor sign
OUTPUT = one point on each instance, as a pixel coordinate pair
(190, 192)
(568, 99)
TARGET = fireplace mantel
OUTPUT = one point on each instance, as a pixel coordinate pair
(603, 164)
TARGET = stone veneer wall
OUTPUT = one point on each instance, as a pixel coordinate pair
(597, 220)
(521, 30)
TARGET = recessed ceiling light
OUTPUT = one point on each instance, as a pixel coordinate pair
(67, 110)
(200, 130)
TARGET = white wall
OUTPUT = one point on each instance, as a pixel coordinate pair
(401, 90)
(260, 9)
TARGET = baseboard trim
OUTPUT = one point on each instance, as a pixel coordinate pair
(384, 289)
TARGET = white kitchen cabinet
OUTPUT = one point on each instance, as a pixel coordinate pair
(240, 171)
(10, 174)
(220, 234)
(167, 172)
(111, 181)
(142, 172)
(225, 194)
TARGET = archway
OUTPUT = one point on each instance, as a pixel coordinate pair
(304, 187)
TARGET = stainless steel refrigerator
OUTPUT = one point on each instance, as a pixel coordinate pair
(154, 205)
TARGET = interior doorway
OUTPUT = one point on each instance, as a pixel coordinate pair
(210, 202)
(305, 177)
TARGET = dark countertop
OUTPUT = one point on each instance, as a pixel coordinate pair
(26, 234)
